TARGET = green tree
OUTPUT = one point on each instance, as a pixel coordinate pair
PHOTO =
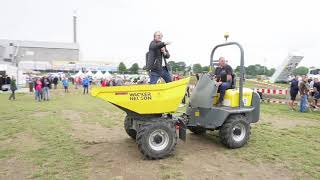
(122, 68)
(301, 71)
(134, 69)
(181, 66)
(271, 72)
(205, 69)
(251, 70)
(197, 68)
(173, 66)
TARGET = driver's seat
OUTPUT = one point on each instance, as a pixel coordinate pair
(233, 82)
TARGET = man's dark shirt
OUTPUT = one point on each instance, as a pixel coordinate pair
(55, 80)
(294, 87)
(222, 72)
(155, 55)
(317, 85)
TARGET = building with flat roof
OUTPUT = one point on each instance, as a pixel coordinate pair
(16, 51)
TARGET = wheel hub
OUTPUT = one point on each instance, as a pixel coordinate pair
(238, 132)
(158, 140)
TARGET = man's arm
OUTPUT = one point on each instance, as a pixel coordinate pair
(166, 54)
(156, 45)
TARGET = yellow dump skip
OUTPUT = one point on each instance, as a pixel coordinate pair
(145, 99)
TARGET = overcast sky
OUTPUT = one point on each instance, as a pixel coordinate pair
(121, 30)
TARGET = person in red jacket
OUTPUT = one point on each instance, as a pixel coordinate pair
(103, 83)
(38, 88)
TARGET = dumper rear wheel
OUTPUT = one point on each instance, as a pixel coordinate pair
(157, 141)
(128, 127)
(235, 132)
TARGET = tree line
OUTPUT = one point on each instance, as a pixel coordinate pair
(181, 67)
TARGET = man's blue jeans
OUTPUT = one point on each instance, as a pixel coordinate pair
(155, 76)
(222, 89)
(303, 103)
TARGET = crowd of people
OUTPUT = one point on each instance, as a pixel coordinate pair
(308, 89)
(41, 86)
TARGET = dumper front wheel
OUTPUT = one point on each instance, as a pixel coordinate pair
(128, 127)
(157, 141)
(235, 132)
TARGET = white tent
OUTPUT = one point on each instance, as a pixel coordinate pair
(106, 75)
(89, 73)
(79, 74)
(98, 75)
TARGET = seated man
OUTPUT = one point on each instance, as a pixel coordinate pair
(223, 74)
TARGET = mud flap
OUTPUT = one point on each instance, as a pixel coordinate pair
(182, 130)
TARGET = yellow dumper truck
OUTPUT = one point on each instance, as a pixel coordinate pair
(149, 110)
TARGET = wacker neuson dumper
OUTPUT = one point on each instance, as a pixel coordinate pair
(149, 110)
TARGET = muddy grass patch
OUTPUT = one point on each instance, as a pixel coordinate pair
(22, 142)
(87, 131)
(292, 148)
(14, 168)
(287, 123)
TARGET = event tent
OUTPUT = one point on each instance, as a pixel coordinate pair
(98, 75)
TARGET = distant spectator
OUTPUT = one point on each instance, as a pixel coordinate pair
(316, 84)
(311, 83)
(72, 80)
(13, 88)
(78, 82)
(8, 80)
(31, 84)
(294, 89)
(303, 89)
(42, 86)
(197, 77)
(85, 84)
(316, 96)
(55, 82)
(38, 89)
(103, 83)
(119, 81)
(111, 82)
(1, 82)
(46, 89)
(65, 83)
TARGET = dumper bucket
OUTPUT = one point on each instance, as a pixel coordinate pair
(145, 99)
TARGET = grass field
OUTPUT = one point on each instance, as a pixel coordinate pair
(39, 139)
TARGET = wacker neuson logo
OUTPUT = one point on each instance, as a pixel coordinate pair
(140, 96)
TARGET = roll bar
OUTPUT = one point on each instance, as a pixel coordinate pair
(241, 67)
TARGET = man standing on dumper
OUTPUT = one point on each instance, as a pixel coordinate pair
(223, 74)
(156, 63)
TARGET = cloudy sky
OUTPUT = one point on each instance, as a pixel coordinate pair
(121, 30)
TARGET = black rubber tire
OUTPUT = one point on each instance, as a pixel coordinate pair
(197, 130)
(127, 126)
(226, 131)
(143, 140)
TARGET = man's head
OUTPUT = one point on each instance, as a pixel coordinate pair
(222, 61)
(316, 80)
(157, 36)
(296, 77)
